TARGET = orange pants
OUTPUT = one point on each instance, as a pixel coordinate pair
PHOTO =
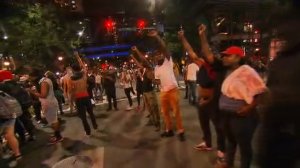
(170, 101)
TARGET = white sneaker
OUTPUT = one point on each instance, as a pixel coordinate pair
(202, 147)
(129, 108)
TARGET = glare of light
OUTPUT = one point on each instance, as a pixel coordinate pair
(6, 63)
(60, 58)
(256, 32)
(244, 41)
(146, 56)
(224, 33)
(80, 33)
(255, 40)
(131, 60)
(85, 65)
(5, 37)
(80, 22)
(182, 62)
(218, 24)
(257, 49)
(57, 73)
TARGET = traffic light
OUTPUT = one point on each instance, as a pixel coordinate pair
(141, 24)
(109, 24)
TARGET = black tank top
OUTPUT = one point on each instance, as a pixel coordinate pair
(147, 83)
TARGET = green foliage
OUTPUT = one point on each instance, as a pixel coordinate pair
(37, 33)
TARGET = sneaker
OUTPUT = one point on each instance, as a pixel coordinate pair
(55, 140)
(31, 138)
(167, 134)
(202, 147)
(14, 161)
(129, 108)
(181, 137)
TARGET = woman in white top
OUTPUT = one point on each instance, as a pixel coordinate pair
(48, 101)
(126, 79)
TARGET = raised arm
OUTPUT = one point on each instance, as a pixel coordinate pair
(161, 42)
(80, 61)
(193, 56)
(204, 44)
(136, 61)
(140, 55)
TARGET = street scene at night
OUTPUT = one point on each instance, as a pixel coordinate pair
(149, 83)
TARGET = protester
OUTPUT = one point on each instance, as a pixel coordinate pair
(126, 80)
(148, 89)
(82, 98)
(208, 101)
(109, 80)
(44, 91)
(169, 96)
(7, 124)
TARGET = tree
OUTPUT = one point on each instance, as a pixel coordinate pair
(36, 33)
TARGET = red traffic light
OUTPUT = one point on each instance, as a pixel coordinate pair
(109, 24)
(141, 24)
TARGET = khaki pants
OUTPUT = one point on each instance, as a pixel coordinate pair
(152, 106)
(170, 101)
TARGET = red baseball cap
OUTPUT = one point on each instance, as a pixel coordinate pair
(234, 50)
(5, 75)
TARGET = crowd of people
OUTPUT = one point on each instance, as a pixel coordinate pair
(228, 95)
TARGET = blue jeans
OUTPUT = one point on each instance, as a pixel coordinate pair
(192, 91)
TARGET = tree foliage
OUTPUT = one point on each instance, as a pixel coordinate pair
(36, 33)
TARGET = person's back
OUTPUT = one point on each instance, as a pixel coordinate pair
(79, 84)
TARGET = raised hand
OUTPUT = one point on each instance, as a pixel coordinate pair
(201, 29)
(76, 53)
(180, 34)
(134, 48)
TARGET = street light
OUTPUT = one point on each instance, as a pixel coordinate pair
(80, 33)
(60, 58)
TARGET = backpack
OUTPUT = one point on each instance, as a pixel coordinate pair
(9, 106)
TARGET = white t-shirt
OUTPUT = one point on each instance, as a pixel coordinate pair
(166, 75)
(98, 79)
(192, 72)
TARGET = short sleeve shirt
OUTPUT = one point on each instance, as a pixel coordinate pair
(165, 74)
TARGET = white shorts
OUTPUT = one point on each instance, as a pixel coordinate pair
(49, 111)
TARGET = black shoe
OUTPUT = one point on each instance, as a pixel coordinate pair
(31, 138)
(167, 134)
(157, 128)
(181, 137)
(109, 109)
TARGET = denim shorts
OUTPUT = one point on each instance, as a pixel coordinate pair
(5, 123)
